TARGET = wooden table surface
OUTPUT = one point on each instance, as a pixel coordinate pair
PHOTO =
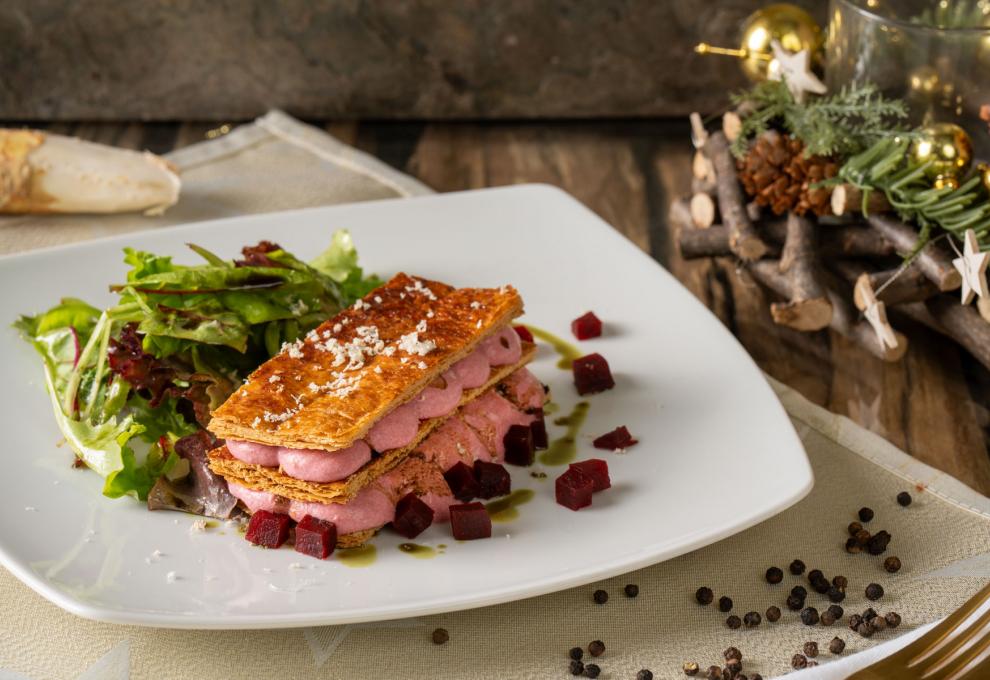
(933, 404)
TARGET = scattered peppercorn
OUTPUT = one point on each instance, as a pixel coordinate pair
(827, 618)
(863, 537)
(732, 667)
(631, 590)
(440, 636)
(592, 670)
(596, 648)
(854, 528)
(837, 645)
(725, 604)
(714, 673)
(812, 664)
(809, 616)
(799, 661)
(840, 582)
(576, 653)
(811, 649)
(874, 591)
(799, 591)
(836, 611)
(836, 595)
(732, 653)
(796, 567)
(815, 575)
(892, 564)
(854, 621)
(690, 668)
(647, 674)
(852, 547)
(822, 586)
(752, 619)
(794, 603)
(773, 614)
(904, 499)
(877, 545)
(601, 597)
(704, 595)
(756, 676)
(865, 629)
(893, 619)
(879, 623)
(865, 514)
(733, 622)
(576, 668)
(870, 613)
(774, 575)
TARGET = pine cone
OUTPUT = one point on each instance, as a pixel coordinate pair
(776, 172)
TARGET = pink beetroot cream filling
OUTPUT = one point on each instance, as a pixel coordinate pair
(396, 429)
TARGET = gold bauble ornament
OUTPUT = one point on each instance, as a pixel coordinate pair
(948, 147)
(788, 24)
(984, 171)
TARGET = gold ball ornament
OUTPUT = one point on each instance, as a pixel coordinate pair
(984, 170)
(789, 25)
(948, 147)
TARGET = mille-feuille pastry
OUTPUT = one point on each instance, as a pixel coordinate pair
(379, 402)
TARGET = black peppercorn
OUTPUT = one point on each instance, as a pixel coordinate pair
(576, 667)
(714, 673)
(854, 621)
(647, 674)
(601, 597)
(822, 586)
(840, 582)
(799, 591)
(690, 668)
(576, 653)
(799, 661)
(752, 619)
(596, 648)
(874, 591)
(811, 649)
(863, 537)
(733, 666)
(796, 567)
(854, 528)
(809, 616)
(852, 547)
(865, 514)
(794, 603)
(870, 613)
(773, 614)
(592, 670)
(892, 564)
(733, 622)
(827, 618)
(732, 653)
(879, 623)
(440, 636)
(704, 595)
(631, 590)
(835, 595)
(815, 575)
(756, 676)
(836, 611)
(774, 575)
(893, 619)
(904, 499)
(865, 629)
(837, 645)
(877, 545)
(725, 604)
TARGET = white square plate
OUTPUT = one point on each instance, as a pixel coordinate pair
(717, 452)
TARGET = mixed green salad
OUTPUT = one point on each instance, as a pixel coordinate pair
(132, 386)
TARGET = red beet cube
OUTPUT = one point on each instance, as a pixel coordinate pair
(574, 489)
(587, 326)
(315, 537)
(493, 479)
(539, 430)
(460, 479)
(592, 374)
(519, 448)
(470, 521)
(619, 438)
(412, 516)
(597, 469)
(523, 333)
(268, 529)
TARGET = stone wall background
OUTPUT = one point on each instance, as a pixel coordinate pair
(346, 59)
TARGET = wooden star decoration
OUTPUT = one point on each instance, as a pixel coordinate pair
(973, 268)
(795, 71)
(875, 312)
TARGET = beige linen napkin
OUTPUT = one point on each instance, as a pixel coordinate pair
(943, 538)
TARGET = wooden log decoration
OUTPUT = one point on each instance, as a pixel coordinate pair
(944, 314)
(744, 240)
(731, 125)
(808, 307)
(702, 210)
(933, 260)
(845, 319)
(847, 200)
(703, 185)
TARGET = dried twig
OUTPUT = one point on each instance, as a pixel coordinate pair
(808, 307)
(744, 240)
(847, 199)
(933, 260)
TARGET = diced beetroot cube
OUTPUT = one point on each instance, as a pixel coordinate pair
(574, 489)
(268, 529)
(597, 469)
(315, 537)
(493, 479)
(470, 521)
(519, 445)
(587, 326)
(412, 516)
(523, 333)
(619, 438)
(592, 374)
(539, 429)
(460, 479)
